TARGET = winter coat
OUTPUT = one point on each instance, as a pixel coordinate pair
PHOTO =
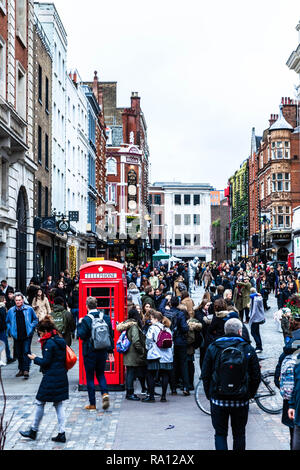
(295, 400)
(154, 282)
(84, 330)
(189, 303)
(41, 307)
(67, 326)
(257, 312)
(178, 323)
(73, 300)
(216, 328)
(136, 355)
(148, 299)
(31, 321)
(153, 351)
(287, 350)
(242, 301)
(136, 296)
(194, 336)
(209, 364)
(3, 313)
(54, 386)
(178, 281)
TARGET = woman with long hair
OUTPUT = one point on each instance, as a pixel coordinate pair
(54, 387)
(40, 304)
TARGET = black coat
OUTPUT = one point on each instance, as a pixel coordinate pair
(84, 331)
(54, 386)
(208, 367)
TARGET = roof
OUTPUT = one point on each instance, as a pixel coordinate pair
(281, 123)
(177, 185)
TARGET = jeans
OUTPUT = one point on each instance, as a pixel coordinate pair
(246, 312)
(130, 378)
(296, 438)
(180, 368)
(39, 413)
(3, 337)
(75, 313)
(220, 417)
(256, 335)
(22, 351)
(94, 364)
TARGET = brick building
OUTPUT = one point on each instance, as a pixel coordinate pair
(17, 166)
(127, 167)
(274, 184)
(42, 145)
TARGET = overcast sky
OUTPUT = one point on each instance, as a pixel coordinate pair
(206, 71)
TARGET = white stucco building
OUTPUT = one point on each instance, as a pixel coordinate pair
(185, 219)
(17, 166)
(293, 62)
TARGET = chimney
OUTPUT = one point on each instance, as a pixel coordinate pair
(135, 101)
(273, 118)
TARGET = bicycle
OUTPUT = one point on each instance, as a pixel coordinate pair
(267, 398)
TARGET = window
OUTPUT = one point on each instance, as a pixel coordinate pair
(21, 20)
(262, 191)
(269, 185)
(39, 145)
(21, 91)
(177, 219)
(157, 219)
(281, 182)
(47, 95)
(177, 239)
(177, 199)
(197, 239)
(46, 151)
(196, 199)
(281, 217)
(261, 160)
(2, 67)
(187, 199)
(40, 84)
(196, 219)
(111, 166)
(157, 199)
(46, 201)
(187, 240)
(187, 219)
(280, 149)
(39, 199)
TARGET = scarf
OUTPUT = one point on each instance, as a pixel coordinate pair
(46, 336)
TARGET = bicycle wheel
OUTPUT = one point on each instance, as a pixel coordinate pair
(268, 396)
(202, 402)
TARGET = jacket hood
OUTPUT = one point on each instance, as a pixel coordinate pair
(166, 322)
(227, 341)
(60, 342)
(58, 308)
(125, 325)
(2, 304)
(222, 314)
(133, 291)
(194, 324)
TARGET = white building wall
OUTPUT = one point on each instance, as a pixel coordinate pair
(296, 236)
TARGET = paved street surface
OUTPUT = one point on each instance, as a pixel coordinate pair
(135, 426)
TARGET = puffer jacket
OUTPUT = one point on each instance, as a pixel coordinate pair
(136, 296)
(179, 325)
(54, 386)
(136, 355)
(154, 352)
(194, 336)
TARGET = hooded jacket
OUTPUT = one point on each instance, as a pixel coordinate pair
(257, 313)
(31, 321)
(154, 352)
(136, 354)
(136, 296)
(178, 323)
(194, 336)
(54, 386)
(209, 365)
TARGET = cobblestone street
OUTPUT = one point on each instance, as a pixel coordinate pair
(134, 426)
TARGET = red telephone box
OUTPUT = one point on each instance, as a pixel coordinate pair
(106, 281)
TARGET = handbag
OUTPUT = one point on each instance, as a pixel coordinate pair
(71, 358)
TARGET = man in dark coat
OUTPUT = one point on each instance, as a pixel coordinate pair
(225, 403)
(95, 360)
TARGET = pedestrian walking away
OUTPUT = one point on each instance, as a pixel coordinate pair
(231, 376)
(54, 387)
(95, 359)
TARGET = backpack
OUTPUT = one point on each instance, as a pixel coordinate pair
(230, 375)
(287, 376)
(182, 287)
(100, 337)
(123, 343)
(164, 339)
(59, 320)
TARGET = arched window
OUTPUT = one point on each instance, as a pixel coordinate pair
(111, 166)
(21, 242)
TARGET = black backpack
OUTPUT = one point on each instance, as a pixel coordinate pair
(231, 372)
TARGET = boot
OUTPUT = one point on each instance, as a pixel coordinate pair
(131, 396)
(148, 399)
(61, 437)
(31, 434)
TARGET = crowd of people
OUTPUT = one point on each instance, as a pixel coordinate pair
(160, 335)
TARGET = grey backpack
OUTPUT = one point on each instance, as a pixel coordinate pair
(100, 337)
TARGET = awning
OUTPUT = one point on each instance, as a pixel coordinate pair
(161, 254)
